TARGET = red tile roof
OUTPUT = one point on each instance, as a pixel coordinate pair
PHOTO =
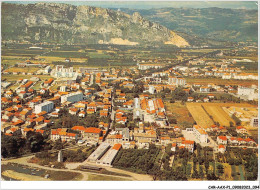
(78, 128)
(224, 138)
(92, 130)
(117, 146)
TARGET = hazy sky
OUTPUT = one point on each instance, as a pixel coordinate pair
(158, 4)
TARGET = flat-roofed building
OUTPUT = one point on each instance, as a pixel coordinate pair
(110, 155)
(99, 152)
(73, 97)
(45, 106)
(177, 81)
(200, 133)
(149, 66)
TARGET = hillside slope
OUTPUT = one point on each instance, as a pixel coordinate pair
(215, 23)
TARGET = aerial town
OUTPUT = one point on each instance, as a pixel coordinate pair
(125, 113)
(107, 111)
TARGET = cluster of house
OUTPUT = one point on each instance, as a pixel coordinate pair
(223, 141)
(21, 119)
(91, 135)
(219, 69)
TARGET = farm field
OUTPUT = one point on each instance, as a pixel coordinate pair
(17, 77)
(50, 59)
(178, 111)
(22, 52)
(23, 69)
(219, 81)
(226, 104)
(66, 54)
(218, 114)
(215, 110)
(199, 115)
(253, 131)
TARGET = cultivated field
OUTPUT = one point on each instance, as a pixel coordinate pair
(178, 111)
(215, 110)
(218, 114)
(228, 104)
(17, 77)
(199, 115)
(23, 69)
(50, 59)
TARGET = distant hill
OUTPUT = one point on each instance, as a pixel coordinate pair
(68, 24)
(238, 25)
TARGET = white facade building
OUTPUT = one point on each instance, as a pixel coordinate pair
(247, 93)
(60, 72)
(45, 106)
(73, 97)
(149, 66)
(200, 133)
(177, 81)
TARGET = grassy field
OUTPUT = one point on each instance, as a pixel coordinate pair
(98, 55)
(219, 81)
(22, 176)
(50, 59)
(178, 111)
(17, 77)
(64, 176)
(66, 54)
(93, 177)
(22, 52)
(37, 86)
(54, 87)
(199, 115)
(23, 69)
(13, 87)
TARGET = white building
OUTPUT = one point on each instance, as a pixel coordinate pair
(45, 106)
(247, 93)
(177, 81)
(63, 88)
(47, 69)
(149, 66)
(151, 89)
(200, 133)
(99, 152)
(60, 71)
(73, 97)
(136, 103)
(109, 157)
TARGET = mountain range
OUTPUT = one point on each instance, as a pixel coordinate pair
(70, 24)
(237, 25)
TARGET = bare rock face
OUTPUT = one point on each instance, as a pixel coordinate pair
(68, 24)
